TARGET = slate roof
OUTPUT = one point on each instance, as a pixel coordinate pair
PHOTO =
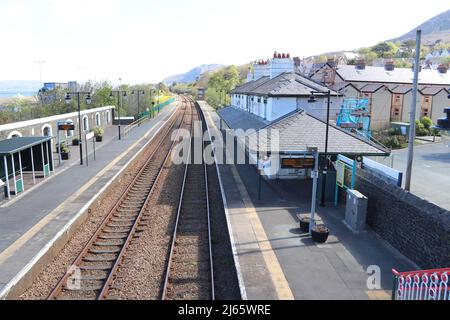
(14, 145)
(372, 88)
(398, 75)
(431, 90)
(400, 89)
(298, 131)
(285, 84)
(342, 85)
(249, 86)
(239, 119)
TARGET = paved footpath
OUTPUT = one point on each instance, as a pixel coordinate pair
(31, 221)
(277, 261)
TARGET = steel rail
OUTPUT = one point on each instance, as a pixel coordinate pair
(175, 232)
(62, 283)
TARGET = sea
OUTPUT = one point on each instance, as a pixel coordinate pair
(16, 94)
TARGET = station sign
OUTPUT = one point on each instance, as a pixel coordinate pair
(66, 126)
(90, 135)
(297, 163)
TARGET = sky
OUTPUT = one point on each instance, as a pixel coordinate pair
(144, 41)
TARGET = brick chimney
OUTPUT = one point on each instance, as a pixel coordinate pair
(331, 62)
(389, 65)
(360, 64)
(442, 68)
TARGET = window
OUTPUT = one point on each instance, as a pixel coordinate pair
(47, 130)
(85, 123)
(14, 134)
(97, 120)
(427, 99)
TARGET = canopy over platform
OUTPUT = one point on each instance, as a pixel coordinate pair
(24, 155)
(298, 131)
(17, 144)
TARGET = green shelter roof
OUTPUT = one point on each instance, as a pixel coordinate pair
(14, 145)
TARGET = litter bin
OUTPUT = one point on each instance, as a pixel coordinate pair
(356, 211)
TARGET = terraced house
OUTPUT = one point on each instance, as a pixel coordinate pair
(388, 89)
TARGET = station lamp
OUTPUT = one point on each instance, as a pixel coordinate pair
(312, 98)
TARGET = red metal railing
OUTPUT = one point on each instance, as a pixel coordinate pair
(422, 285)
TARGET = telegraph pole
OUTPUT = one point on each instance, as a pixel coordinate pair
(40, 71)
(412, 120)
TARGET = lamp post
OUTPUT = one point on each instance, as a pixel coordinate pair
(138, 92)
(158, 99)
(120, 94)
(312, 99)
(88, 101)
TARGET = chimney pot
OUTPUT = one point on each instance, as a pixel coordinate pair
(283, 56)
(360, 64)
(389, 65)
(288, 55)
(442, 68)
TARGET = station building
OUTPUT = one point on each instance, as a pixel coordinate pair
(389, 89)
(90, 118)
(274, 89)
(275, 100)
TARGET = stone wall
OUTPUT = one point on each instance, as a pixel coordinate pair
(48, 126)
(418, 229)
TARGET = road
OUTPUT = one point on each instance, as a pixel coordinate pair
(431, 171)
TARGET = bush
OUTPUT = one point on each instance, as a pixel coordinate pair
(427, 123)
(64, 148)
(99, 131)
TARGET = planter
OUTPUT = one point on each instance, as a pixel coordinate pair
(65, 155)
(320, 234)
(304, 224)
(99, 138)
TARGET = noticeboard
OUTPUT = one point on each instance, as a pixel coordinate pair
(340, 173)
(66, 126)
(297, 163)
(90, 135)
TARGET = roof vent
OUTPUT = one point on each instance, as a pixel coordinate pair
(331, 62)
(442, 68)
(389, 65)
(360, 64)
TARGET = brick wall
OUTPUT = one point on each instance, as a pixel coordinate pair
(418, 229)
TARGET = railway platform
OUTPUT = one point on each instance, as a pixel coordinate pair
(276, 261)
(30, 225)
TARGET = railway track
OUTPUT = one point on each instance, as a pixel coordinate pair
(94, 270)
(190, 273)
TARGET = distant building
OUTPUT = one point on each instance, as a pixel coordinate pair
(47, 93)
(201, 93)
(388, 89)
(274, 89)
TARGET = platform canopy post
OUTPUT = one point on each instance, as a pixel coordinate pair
(7, 177)
(43, 159)
(32, 166)
(49, 157)
(21, 172)
(14, 173)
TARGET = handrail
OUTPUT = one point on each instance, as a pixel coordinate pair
(421, 272)
(421, 285)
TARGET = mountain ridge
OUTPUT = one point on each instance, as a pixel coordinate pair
(436, 28)
(192, 74)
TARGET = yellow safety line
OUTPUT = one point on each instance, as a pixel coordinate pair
(279, 280)
(19, 243)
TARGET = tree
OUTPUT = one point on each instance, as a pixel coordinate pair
(385, 49)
